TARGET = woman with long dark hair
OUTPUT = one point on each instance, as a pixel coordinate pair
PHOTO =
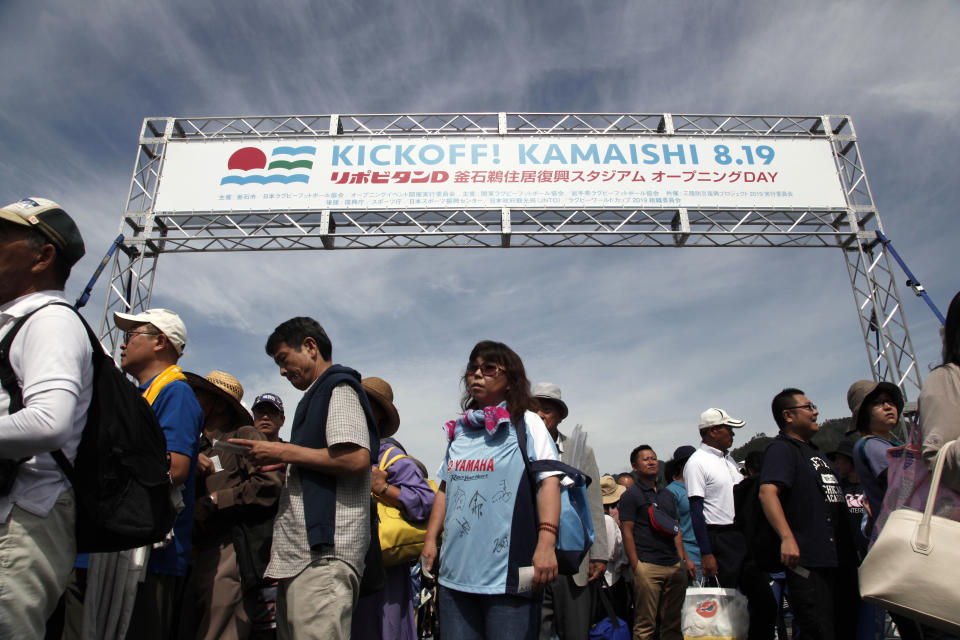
(496, 555)
(939, 403)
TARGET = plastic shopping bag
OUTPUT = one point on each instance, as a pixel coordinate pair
(711, 613)
(908, 484)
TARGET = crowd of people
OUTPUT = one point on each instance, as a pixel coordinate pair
(289, 539)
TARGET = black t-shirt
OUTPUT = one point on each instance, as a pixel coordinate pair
(812, 500)
(854, 497)
(651, 546)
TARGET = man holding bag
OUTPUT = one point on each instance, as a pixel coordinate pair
(654, 545)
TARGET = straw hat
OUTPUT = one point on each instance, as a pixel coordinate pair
(227, 388)
(380, 391)
(611, 490)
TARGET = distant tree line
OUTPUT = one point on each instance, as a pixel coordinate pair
(830, 434)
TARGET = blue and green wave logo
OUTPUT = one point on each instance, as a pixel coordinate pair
(284, 169)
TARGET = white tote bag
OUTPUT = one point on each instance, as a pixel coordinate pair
(711, 613)
(912, 567)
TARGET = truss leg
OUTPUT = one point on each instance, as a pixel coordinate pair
(131, 284)
(882, 321)
(134, 266)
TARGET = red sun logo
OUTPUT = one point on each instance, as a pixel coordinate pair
(247, 158)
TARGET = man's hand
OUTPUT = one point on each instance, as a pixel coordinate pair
(264, 452)
(691, 569)
(789, 552)
(709, 565)
(596, 570)
(204, 465)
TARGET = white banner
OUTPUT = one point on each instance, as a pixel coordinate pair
(532, 172)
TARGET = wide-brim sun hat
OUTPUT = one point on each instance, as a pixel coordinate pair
(612, 492)
(380, 391)
(225, 387)
(862, 390)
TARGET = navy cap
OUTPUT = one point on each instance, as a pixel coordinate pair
(269, 398)
(684, 452)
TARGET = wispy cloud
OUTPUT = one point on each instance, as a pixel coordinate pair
(640, 341)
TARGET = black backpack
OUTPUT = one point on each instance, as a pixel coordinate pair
(763, 543)
(121, 477)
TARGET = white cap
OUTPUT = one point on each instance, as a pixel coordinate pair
(165, 320)
(716, 417)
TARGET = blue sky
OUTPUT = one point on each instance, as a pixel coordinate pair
(640, 340)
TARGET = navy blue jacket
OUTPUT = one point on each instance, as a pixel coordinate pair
(310, 430)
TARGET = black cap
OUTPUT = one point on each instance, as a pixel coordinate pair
(684, 452)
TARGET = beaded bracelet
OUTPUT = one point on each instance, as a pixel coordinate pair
(547, 526)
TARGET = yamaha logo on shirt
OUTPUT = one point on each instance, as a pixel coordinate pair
(471, 465)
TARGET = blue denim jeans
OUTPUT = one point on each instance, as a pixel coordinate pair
(475, 616)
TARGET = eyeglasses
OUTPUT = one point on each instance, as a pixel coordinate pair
(127, 334)
(882, 401)
(809, 405)
(488, 369)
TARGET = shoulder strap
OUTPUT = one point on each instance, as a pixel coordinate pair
(165, 377)
(386, 460)
(539, 466)
(859, 448)
(9, 379)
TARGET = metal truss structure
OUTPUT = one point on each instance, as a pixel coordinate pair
(852, 229)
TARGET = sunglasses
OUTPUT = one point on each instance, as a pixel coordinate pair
(488, 369)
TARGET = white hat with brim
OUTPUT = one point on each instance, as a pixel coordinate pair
(168, 322)
(714, 417)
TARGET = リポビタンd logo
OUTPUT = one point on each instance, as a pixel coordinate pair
(249, 165)
(707, 608)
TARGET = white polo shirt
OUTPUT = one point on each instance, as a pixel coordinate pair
(711, 475)
(51, 358)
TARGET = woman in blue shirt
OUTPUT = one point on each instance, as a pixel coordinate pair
(496, 554)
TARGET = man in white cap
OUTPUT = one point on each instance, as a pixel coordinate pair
(153, 343)
(568, 600)
(710, 475)
(43, 408)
